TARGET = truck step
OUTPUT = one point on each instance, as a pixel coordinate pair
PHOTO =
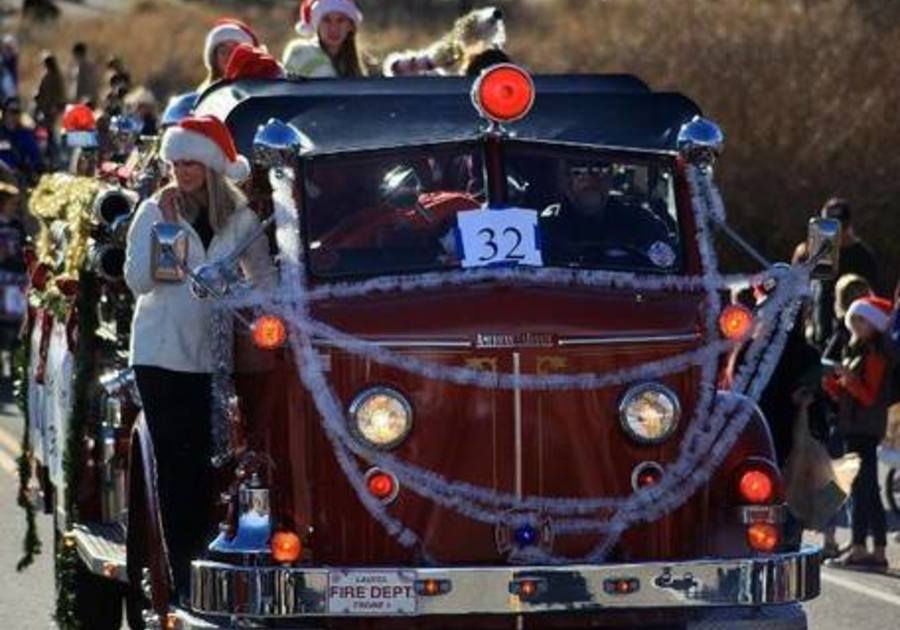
(102, 548)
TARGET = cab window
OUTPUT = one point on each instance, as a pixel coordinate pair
(389, 212)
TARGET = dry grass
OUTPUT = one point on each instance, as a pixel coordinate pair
(806, 90)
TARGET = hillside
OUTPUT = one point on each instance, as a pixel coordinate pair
(805, 89)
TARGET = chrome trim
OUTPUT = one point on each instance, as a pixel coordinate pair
(636, 391)
(641, 468)
(284, 592)
(517, 420)
(747, 514)
(379, 471)
(422, 343)
(101, 547)
(644, 339)
(364, 395)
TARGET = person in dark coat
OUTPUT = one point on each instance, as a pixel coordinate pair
(855, 257)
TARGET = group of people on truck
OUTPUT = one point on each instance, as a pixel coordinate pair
(838, 372)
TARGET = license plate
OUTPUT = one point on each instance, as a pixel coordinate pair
(371, 593)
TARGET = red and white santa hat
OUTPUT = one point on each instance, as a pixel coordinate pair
(205, 139)
(227, 30)
(875, 310)
(312, 12)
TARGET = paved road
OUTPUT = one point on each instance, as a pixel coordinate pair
(850, 601)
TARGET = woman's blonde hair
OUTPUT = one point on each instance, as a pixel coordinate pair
(224, 198)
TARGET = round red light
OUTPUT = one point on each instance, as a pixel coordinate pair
(269, 332)
(286, 547)
(756, 486)
(381, 485)
(527, 588)
(735, 322)
(504, 93)
(763, 537)
(79, 118)
(431, 587)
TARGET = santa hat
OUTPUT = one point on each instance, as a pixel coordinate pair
(227, 30)
(875, 310)
(205, 139)
(247, 62)
(312, 12)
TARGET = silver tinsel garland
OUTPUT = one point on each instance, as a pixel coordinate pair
(717, 423)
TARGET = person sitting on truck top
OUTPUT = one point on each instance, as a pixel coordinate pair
(222, 39)
(595, 224)
(328, 46)
(170, 333)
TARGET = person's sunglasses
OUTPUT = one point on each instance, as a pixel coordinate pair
(581, 172)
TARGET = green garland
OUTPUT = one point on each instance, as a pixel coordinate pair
(67, 556)
(32, 543)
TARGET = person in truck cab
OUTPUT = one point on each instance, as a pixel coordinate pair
(170, 337)
(596, 223)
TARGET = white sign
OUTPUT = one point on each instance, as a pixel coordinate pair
(499, 237)
(371, 593)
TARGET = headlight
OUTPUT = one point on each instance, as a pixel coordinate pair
(381, 417)
(649, 413)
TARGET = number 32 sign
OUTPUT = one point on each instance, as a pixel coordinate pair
(499, 237)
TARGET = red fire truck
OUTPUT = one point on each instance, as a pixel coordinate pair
(483, 392)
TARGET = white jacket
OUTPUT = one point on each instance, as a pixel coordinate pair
(171, 328)
(305, 58)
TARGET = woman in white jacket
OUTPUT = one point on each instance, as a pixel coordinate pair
(170, 336)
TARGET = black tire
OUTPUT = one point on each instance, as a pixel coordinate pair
(892, 489)
(98, 601)
(135, 605)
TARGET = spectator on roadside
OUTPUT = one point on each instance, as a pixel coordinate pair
(141, 103)
(328, 46)
(82, 76)
(12, 265)
(860, 387)
(18, 144)
(50, 98)
(855, 257)
(9, 67)
(848, 288)
(225, 35)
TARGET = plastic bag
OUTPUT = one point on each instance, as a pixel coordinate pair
(816, 485)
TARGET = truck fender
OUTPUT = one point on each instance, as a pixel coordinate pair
(146, 543)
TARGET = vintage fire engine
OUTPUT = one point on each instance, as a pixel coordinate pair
(482, 391)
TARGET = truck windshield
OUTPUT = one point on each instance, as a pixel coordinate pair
(396, 212)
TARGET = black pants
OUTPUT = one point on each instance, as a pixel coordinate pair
(177, 408)
(868, 512)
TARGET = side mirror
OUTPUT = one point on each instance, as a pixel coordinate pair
(169, 252)
(824, 247)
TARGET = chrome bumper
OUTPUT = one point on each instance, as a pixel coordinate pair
(286, 592)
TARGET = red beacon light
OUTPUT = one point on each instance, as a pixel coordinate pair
(80, 126)
(503, 93)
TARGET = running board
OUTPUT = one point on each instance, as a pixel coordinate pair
(101, 547)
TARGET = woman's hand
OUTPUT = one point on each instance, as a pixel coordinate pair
(170, 204)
